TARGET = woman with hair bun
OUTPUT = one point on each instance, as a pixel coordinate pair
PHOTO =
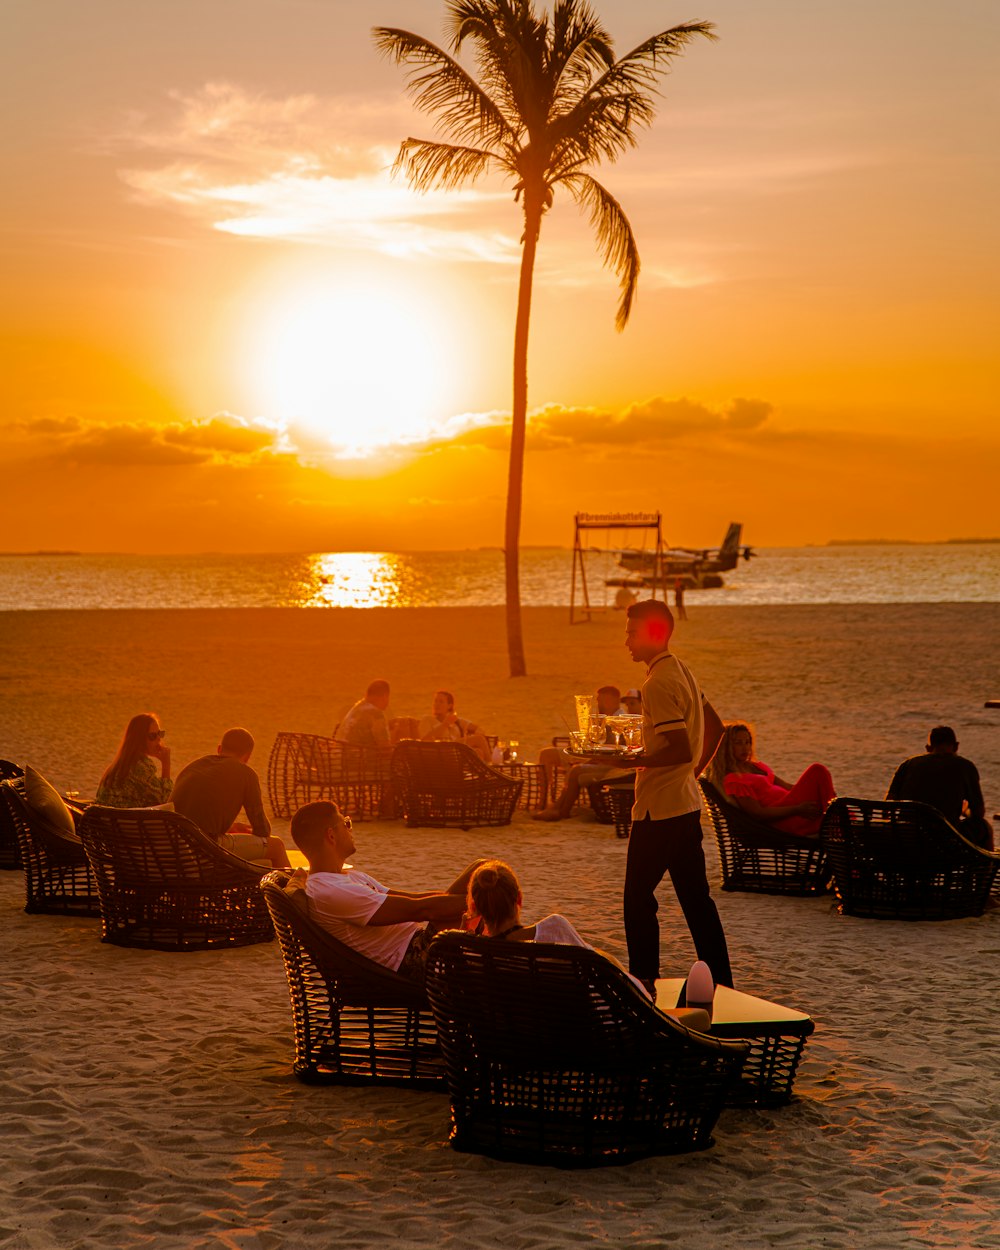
(495, 899)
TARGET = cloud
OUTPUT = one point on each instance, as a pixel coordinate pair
(304, 169)
(652, 423)
(220, 439)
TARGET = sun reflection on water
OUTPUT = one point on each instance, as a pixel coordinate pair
(354, 579)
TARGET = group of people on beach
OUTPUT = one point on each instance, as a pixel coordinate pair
(683, 738)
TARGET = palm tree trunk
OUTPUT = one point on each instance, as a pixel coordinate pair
(515, 469)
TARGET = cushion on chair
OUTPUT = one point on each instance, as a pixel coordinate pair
(46, 802)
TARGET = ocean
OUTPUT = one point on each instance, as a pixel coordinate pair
(943, 573)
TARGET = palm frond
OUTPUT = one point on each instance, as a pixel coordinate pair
(641, 69)
(614, 236)
(580, 49)
(429, 166)
(510, 46)
(440, 86)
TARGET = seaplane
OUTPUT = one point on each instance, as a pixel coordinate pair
(698, 569)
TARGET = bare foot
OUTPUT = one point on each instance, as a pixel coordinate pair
(547, 813)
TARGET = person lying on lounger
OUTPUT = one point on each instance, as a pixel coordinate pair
(392, 927)
(749, 784)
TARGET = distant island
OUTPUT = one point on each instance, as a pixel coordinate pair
(905, 542)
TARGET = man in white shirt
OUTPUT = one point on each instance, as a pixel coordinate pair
(391, 927)
(680, 731)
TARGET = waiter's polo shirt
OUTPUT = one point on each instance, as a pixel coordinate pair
(671, 700)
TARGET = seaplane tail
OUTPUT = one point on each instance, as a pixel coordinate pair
(731, 542)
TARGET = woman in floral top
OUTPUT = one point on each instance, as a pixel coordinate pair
(139, 775)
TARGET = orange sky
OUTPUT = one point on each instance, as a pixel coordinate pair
(225, 328)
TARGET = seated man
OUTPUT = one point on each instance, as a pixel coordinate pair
(632, 702)
(366, 724)
(580, 776)
(391, 927)
(948, 781)
(444, 726)
(211, 792)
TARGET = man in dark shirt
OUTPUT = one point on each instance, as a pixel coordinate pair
(947, 781)
(212, 791)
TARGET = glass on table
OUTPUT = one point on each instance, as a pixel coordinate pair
(596, 732)
(577, 741)
(512, 744)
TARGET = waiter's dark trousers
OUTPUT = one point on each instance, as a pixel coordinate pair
(656, 847)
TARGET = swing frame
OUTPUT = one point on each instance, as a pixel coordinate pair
(626, 522)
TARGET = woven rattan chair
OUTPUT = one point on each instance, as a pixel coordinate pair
(904, 861)
(57, 875)
(759, 859)
(10, 851)
(355, 1021)
(165, 885)
(554, 1056)
(620, 800)
(306, 767)
(446, 784)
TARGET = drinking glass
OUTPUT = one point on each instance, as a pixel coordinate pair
(513, 744)
(596, 732)
(586, 710)
(577, 740)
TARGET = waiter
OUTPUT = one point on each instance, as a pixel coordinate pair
(680, 731)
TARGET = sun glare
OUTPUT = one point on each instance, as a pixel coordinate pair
(360, 367)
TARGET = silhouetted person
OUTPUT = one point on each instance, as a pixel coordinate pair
(947, 781)
(679, 599)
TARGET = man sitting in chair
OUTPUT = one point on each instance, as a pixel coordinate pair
(392, 927)
(212, 791)
(947, 781)
(580, 776)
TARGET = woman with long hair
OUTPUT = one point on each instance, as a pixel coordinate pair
(139, 775)
(752, 786)
(495, 899)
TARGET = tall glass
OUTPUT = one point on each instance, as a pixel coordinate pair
(586, 710)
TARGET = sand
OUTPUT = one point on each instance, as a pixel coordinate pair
(147, 1097)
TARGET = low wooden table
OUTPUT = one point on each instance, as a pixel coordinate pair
(777, 1037)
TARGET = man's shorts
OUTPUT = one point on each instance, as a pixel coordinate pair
(414, 962)
(245, 845)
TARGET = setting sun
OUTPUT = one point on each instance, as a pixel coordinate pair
(356, 365)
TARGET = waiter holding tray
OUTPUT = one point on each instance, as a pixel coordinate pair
(680, 731)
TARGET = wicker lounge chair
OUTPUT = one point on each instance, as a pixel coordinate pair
(10, 851)
(164, 885)
(57, 875)
(446, 784)
(306, 767)
(620, 799)
(757, 858)
(555, 1057)
(355, 1021)
(904, 861)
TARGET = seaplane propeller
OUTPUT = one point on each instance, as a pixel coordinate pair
(748, 552)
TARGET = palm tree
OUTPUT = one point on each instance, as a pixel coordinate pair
(549, 99)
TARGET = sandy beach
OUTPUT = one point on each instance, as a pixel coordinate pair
(148, 1099)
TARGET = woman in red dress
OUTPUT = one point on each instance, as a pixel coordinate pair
(752, 786)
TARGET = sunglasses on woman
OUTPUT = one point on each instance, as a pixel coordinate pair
(155, 733)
